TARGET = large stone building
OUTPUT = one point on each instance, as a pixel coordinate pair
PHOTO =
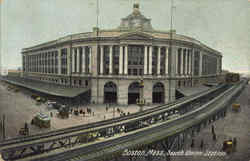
(110, 63)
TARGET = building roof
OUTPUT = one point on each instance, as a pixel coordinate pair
(47, 88)
(188, 91)
(134, 23)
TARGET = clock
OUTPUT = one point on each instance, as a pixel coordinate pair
(136, 22)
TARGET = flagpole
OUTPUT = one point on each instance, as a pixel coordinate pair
(97, 16)
(171, 48)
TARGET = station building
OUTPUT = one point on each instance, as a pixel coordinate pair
(110, 63)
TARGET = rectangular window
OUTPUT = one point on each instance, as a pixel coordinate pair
(129, 71)
(134, 71)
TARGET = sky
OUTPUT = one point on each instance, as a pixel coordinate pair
(223, 25)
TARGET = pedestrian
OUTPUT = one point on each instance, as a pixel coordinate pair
(212, 129)
(25, 125)
(192, 143)
(234, 144)
(83, 113)
(202, 144)
(104, 117)
(214, 137)
(51, 114)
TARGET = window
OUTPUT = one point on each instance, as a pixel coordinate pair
(134, 71)
(141, 71)
(129, 71)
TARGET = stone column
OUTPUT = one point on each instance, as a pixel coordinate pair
(150, 60)
(200, 66)
(110, 59)
(90, 59)
(51, 61)
(46, 62)
(78, 60)
(101, 60)
(121, 60)
(68, 61)
(186, 68)
(73, 61)
(145, 60)
(83, 59)
(220, 65)
(126, 60)
(190, 62)
(192, 66)
(42, 63)
(217, 65)
(176, 61)
(159, 61)
(30, 65)
(182, 64)
(26, 63)
(36, 62)
(166, 61)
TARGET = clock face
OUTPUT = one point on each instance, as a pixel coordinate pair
(136, 22)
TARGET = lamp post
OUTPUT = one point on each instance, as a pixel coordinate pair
(141, 101)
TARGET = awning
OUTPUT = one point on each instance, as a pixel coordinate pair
(188, 91)
(47, 88)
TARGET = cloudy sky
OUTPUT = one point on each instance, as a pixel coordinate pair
(221, 24)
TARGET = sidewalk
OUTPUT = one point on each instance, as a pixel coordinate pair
(235, 124)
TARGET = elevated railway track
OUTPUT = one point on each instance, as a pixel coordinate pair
(177, 128)
(19, 148)
(182, 101)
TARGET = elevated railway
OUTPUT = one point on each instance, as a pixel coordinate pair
(182, 101)
(18, 148)
(178, 127)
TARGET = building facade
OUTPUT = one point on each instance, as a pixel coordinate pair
(111, 62)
